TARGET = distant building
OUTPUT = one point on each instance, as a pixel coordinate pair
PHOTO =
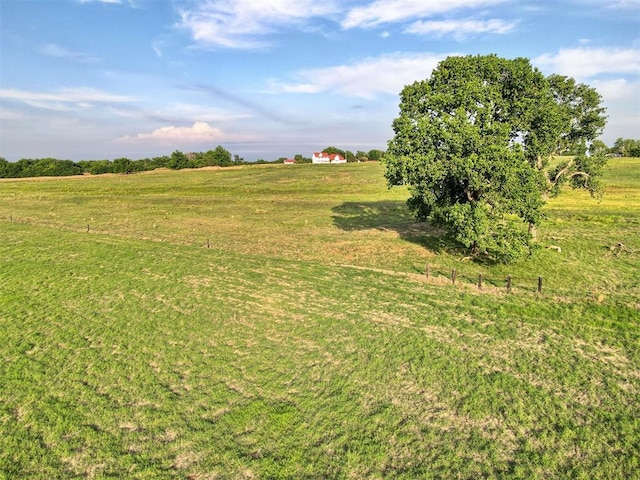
(289, 161)
(324, 157)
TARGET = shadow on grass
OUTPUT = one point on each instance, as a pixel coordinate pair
(390, 215)
(395, 216)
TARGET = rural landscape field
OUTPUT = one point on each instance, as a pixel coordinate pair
(275, 321)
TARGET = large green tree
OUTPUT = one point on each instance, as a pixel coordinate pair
(473, 144)
(219, 157)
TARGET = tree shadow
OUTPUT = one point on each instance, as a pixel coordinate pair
(395, 215)
(390, 215)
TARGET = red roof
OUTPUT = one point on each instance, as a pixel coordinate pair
(330, 156)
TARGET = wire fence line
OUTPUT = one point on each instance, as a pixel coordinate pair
(472, 279)
(432, 273)
(457, 276)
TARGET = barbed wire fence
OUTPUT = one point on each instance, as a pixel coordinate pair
(457, 276)
(482, 281)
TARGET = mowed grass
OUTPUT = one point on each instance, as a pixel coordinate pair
(285, 211)
(340, 215)
(306, 343)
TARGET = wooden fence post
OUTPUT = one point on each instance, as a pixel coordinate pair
(479, 281)
(87, 227)
(426, 271)
(509, 283)
(208, 243)
(453, 276)
(539, 284)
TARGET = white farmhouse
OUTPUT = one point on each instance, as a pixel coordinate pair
(324, 157)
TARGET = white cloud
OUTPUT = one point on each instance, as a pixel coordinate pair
(460, 28)
(387, 74)
(613, 72)
(621, 97)
(244, 23)
(618, 90)
(583, 63)
(389, 11)
(66, 99)
(199, 132)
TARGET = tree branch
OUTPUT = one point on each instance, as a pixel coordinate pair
(560, 173)
(564, 170)
(469, 196)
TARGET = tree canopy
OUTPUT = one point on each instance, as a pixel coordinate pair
(473, 144)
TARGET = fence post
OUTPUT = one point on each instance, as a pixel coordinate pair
(509, 283)
(208, 243)
(87, 227)
(453, 276)
(479, 281)
(539, 284)
(426, 271)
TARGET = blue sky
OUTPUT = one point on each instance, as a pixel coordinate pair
(101, 79)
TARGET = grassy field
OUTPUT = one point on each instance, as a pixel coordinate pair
(306, 341)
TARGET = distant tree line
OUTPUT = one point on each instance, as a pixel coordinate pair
(51, 167)
(42, 167)
(218, 157)
(625, 147)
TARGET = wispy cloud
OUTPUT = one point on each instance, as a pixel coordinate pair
(100, 1)
(621, 5)
(387, 74)
(176, 113)
(162, 44)
(130, 3)
(391, 11)
(584, 63)
(199, 132)
(244, 24)
(247, 24)
(239, 100)
(57, 51)
(66, 99)
(200, 113)
(460, 29)
(11, 115)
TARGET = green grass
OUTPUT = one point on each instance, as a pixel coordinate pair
(305, 343)
(342, 216)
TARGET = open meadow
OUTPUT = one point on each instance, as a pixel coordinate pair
(276, 322)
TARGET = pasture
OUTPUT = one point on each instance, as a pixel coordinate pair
(276, 322)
